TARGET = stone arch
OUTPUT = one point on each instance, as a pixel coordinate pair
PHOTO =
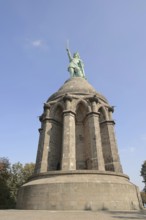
(105, 138)
(55, 145)
(83, 102)
(81, 112)
(103, 114)
(56, 112)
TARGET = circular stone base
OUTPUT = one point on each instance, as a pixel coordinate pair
(79, 190)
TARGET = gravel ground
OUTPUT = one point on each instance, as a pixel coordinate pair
(70, 215)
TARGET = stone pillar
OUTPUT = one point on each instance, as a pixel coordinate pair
(110, 150)
(45, 150)
(97, 160)
(68, 145)
(39, 153)
(42, 154)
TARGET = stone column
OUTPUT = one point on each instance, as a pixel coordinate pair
(39, 152)
(45, 148)
(97, 160)
(112, 160)
(42, 155)
(68, 145)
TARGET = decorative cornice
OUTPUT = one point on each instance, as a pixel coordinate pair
(94, 99)
(108, 122)
(41, 117)
(111, 109)
(77, 172)
(69, 111)
(51, 119)
(40, 129)
(46, 106)
(67, 97)
(93, 113)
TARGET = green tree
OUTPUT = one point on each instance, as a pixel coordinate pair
(11, 178)
(143, 173)
(143, 196)
(28, 171)
(6, 199)
(19, 175)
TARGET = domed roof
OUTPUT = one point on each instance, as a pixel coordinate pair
(76, 86)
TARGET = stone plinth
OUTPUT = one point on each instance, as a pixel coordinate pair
(79, 190)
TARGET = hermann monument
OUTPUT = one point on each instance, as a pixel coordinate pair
(78, 165)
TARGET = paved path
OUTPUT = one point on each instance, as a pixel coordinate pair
(70, 215)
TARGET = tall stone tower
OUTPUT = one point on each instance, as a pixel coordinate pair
(77, 165)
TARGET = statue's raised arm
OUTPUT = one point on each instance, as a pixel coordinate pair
(69, 54)
(76, 66)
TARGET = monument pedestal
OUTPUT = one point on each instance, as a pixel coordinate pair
(79, 190)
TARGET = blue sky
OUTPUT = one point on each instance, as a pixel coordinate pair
(110, 36)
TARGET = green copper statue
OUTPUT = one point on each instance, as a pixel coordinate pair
(76, 66)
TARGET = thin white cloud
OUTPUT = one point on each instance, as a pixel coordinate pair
(37, 43)
(128, 150)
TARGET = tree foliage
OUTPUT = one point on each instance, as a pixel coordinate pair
(143, 173)
(143, 196)
(6, 200)
(19, 174)
(11, 178)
